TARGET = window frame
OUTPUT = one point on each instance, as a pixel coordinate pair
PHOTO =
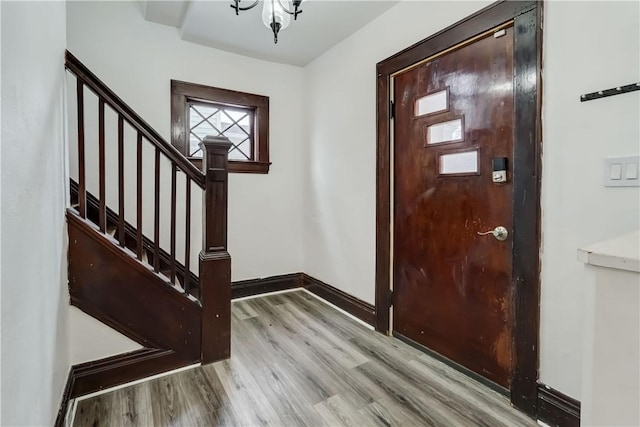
(183, 92)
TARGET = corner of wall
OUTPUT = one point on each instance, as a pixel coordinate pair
(34, 291)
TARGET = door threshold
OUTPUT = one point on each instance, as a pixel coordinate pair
(458, 367)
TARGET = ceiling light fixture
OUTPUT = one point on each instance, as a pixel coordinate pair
(276, 14)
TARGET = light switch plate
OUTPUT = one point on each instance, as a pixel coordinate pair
(615, 171)
(621, 171)
(631, 171)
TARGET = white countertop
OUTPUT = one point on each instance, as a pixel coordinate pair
(622, 253)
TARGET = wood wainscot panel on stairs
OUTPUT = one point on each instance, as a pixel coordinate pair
(110, 285)
(131, 236)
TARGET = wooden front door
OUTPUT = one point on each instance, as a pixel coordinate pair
(454, 123)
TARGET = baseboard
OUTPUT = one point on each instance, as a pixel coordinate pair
(123, 368)
(116, 370)
(245, 288)
(556, 408)
(352, 305)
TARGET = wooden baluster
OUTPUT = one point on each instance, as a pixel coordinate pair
(121, 180)
(173, 223)
(139, 201)
(156, 215)
(82, 185)
(215, 262)
(187, 240)
(102, 215)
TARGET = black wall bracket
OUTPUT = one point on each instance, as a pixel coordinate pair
(610, 92)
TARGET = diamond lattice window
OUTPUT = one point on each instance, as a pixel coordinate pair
(198, 111)
(220, 120)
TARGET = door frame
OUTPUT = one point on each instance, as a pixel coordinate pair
(527, 20)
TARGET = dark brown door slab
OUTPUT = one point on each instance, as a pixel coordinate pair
(452, 286)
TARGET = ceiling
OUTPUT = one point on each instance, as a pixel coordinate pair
(214, 23)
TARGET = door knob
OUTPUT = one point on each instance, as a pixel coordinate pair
(500, 233)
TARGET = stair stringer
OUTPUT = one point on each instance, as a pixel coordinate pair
(110, 285)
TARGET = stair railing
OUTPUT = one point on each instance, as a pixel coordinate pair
(214, 283)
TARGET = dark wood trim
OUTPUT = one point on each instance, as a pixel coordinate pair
(74, 65)
(352, 305)
(238, 166)
(263, 285)
(164, 259)
(214, 260)
(527, 16)
(557, 409)
(64, 403)
(183, 92)
(258, 167)
(434, 113)
(81, 150)
(123, 368)
(96, 375)
(485, 19)
(383, 298)
(526, 208)
(116, 289)
(91, 230)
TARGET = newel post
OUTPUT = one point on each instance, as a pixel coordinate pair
(215, 262)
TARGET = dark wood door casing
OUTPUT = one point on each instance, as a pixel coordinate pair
(452, 287)
(527, 20)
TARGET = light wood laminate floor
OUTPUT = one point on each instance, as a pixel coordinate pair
(298, 362)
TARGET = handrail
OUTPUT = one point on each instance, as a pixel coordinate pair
(74, 65)
(214, 280)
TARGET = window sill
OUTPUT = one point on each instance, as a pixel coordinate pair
(249, 167)
(240, 167)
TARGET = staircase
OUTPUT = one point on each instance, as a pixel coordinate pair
(130, 281)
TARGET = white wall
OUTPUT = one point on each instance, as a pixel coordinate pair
(137, 59)
(588, 46)
(92, 339)
(340, 184)
(35, 360)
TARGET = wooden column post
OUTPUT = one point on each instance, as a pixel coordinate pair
(215, 262)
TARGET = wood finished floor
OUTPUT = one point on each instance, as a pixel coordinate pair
(298, 362)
